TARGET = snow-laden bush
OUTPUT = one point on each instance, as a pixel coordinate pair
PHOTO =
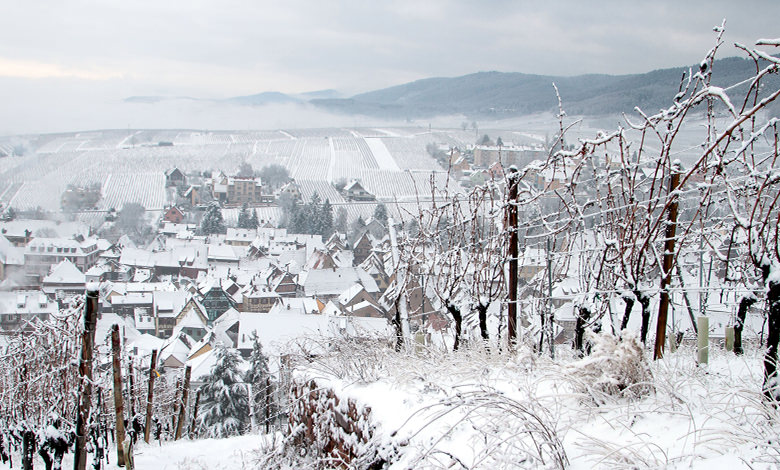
(616, 367)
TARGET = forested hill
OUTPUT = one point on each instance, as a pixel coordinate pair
(498, 94)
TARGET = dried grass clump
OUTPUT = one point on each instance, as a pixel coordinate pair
(617, 368)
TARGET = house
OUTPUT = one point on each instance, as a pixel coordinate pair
(328, 284)
(21, 231)
(362, 248)
(179, 231)
(173, 214)
(355, 301)
(531, 262)
(421, 309)
(126, 305)
(375, 267)
(145, 321)
(225, 328)
(297, 305)
(335, 243)
(354, 191)
(175, 351)
(237, 190)
(64, 279)
(42, 253)
(320, 260)
(222, 254)
(215, 301)
(259, 299)
(284, 284)
(459, 163)
(11, 259)
(240, 236)
(168, 304)
(375, 228)
(191, 308)
(17, 309)
(175, 177)
(109, 270)
(244, 189)
(192, 320)
(292, 189)
(193, 195)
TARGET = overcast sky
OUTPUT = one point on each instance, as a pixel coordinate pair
(109, 49)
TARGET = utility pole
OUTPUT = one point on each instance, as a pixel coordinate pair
(513, 255)
(668, 261)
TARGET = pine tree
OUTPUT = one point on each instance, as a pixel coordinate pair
(259, 378)
(380, 214)
(224, 397)
(326, 219)
(253, 223)
(341, 220)
(357, 228)
(243, 217)
(315, 215)
(212, 221)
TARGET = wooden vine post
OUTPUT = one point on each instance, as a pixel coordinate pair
(195, 414)
(183, 405)
(118, 402)
(668, 261)
(150, 397)
(85, 378)
(513, 255)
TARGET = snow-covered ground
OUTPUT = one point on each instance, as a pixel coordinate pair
(235, 453)
(383, 157)
(489, 410)
(481, 409)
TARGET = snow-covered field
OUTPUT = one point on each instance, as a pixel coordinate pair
(130, 165)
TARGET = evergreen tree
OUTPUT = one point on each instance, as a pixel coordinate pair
(413, 228)
(243, 217)
(225, 402)
(259, 378)
(314, 219)
(326, 219)
(212, 220)
(253, 223)
(340, 225)
(380, 214)
(357, 228)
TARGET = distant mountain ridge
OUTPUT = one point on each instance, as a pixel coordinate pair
(501, 94)
(508, 94)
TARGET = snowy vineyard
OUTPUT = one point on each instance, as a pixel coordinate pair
(68, 385)
(130, 165)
